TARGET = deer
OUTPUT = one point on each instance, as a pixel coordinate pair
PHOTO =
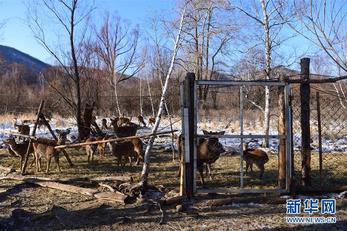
(104, 124)
(91, 149)
(151, 120)
(141, 120)
(19, 149)
(45, 147)
(129, 129)
(208, 151)
(128, 149)
(254, 156)
(22, 129)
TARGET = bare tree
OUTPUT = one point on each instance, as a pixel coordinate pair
(68, 15)
(324, 23)
(207, 33)
(117, 46)
(145, 169)
(271, 16)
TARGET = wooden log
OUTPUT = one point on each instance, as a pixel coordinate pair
(111, 140)
(173, 200)
(48, 183)
(113, 178)
(116, 196)
(63, 187)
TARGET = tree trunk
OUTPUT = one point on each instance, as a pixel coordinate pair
(145, 169)
(117, 100)
(267, 71)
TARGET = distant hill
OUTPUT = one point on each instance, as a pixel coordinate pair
(28, 66)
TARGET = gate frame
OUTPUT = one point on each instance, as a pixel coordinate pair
(189, 106)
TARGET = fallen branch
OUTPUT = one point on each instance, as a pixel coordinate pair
(107, 186)
(111, 140)
(48, 183)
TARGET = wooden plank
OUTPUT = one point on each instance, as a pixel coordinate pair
(115, 197)
(305, 123)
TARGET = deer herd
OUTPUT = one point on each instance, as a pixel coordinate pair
(208, 149)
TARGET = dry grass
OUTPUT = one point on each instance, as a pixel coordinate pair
(52, 209)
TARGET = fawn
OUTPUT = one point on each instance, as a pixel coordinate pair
(141, 120)
(254, 156)
(151, 120)
(19, 149)
(45, 147)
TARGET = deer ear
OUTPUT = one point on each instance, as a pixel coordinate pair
(205, 132)
(68, 131)
(57, 131)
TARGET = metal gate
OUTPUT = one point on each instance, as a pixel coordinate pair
(190, 105)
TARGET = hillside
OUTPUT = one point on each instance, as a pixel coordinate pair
(12, 60)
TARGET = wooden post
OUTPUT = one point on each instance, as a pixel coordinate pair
(319, 138)
(305, 123)
(32, 134)
(282, 141)
(188, 130)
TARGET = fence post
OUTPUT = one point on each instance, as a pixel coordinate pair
(305, 123)
(282, 141)
(188, 130)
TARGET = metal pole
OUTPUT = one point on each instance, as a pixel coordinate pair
(241, 133)
(319, 138)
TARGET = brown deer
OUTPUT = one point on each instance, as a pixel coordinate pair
(141, 120)
(208, 151)
(91, 149)
(19, 149)
(127, 150)
(254, 156)
(151, 121)
(22, 129)
(123, 120)
(45, 147)
(129, 129)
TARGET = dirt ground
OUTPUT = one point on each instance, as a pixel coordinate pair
(28, 207)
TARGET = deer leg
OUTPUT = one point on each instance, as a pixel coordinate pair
(201, 171)
(130, 160)
(49, 158)
(56, 158)
(247, 166)
(261, 167)
(209, 170)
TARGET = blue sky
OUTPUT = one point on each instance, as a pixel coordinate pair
(17, 34)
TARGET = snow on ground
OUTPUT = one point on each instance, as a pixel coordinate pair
(164, 141)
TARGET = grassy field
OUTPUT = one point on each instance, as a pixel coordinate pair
(87, 213)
